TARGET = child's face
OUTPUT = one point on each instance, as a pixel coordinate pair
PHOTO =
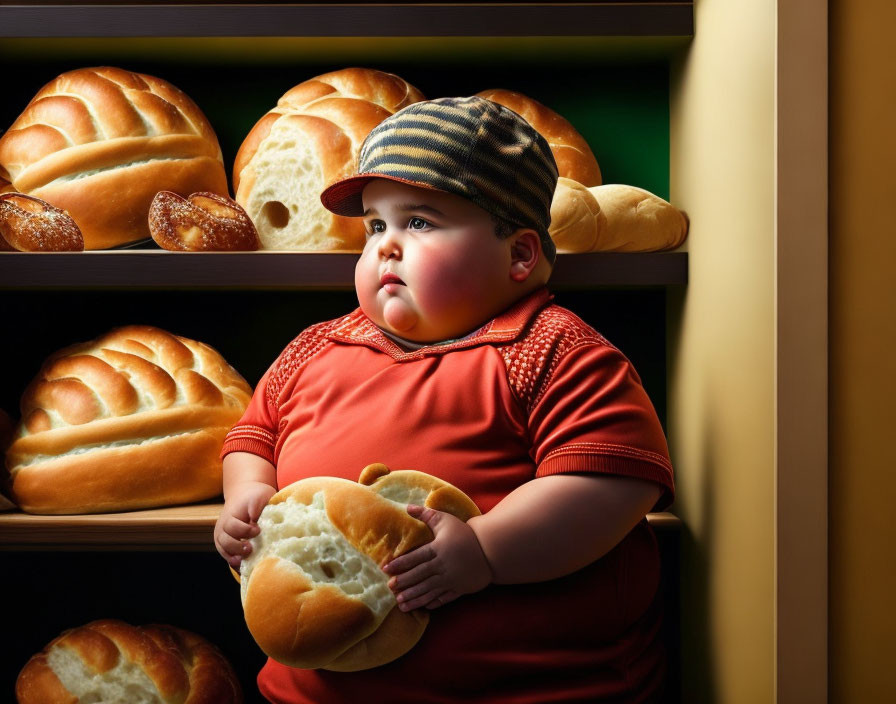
(432, 268)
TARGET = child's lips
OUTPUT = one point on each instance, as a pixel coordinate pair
(389, 281)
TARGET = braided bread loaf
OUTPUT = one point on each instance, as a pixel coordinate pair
(312, 138)
(113, 662)
(131, 420)
(101, 142)
(313, 591)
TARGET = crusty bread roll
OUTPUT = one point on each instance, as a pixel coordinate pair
(29, 224)
(99, 143)
(312, 138)
(637, 220)
(574, 157)
(313, 591)
(576, 218)
(112, 662)
(131, 420)
(203, 222)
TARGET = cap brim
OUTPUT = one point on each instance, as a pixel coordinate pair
(344, 197)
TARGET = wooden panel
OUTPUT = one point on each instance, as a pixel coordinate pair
(170, 528)
(388, 19)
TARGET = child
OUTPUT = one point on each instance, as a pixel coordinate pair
(458, 364)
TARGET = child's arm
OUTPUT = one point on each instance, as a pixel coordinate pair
(249, 481)
(546, 528)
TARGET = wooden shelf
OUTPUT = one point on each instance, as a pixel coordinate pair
(181, 528)
(618, 18)
(156, 269)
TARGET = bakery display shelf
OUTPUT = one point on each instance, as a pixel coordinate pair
(618, 18)
(157, 269)
(172, 528)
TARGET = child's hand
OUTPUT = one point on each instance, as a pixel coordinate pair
(238, 521)
(442, 570)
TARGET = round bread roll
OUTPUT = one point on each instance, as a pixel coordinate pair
(637, 220)
(112, 662)
(99, 143)
(312, 138)
(29, 224)
(203, 222)
(576, 218)
(574, 157)
(131, 420)
(313, 591)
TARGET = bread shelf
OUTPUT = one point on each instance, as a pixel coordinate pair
(156, 269)
(182, 528)
(617, 18)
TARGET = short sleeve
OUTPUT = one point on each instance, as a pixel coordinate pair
(593, 415)
(256, 431)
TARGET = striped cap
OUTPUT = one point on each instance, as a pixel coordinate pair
(472, 147)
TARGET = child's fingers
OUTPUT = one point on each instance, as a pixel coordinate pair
(442, 599)
(420, 594)
(409, 560)
(229, 546)
(239, 529)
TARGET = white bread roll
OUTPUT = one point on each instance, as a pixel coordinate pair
(112, 662)
(574, 157)
(637, 220)
(576, 218)
(99, 143)
(310, 139)
(313, 591)
(131, 420)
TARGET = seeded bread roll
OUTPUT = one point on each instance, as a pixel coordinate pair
(310, 139)
(574, 157)
(203, 222)
(313, 591)
(113, 662)
(132, 420)
(99, 143)
(29, 224)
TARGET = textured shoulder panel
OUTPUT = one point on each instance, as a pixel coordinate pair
(303, 349)
(532, 359)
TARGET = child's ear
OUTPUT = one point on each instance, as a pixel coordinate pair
(525, 252)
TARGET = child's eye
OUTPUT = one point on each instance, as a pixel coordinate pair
(418, 224)
(376, 226)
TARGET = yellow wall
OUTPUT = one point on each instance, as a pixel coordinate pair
(722, 364)
(862, 351)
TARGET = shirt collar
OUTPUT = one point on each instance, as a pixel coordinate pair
(356, 328)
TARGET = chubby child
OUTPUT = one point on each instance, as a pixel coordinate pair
(458, 364)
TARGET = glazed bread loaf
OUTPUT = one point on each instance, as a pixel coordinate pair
(112, 662)
(99, 143)
(637, 220)
(202, 222)
(313, 591)
(310, 139)
(576, 219)
(131, 420)
(29, 224)
(574, 157)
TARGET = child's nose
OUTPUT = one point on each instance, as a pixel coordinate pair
(390, 245)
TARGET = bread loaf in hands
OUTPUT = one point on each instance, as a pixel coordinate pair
(202, 222)
(29, 224)
(133, 419)
(313, 591)
(100, 142)
(112, 662)
(310, 139)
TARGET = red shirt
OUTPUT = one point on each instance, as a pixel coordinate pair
(534, 392)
